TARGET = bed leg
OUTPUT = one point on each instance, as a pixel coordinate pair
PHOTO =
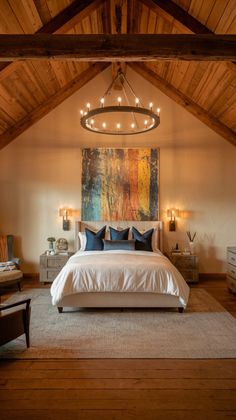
(60, 309)
(181, 310)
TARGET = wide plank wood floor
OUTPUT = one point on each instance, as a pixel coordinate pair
(115, 389)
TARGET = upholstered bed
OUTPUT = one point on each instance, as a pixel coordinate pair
(120, 277)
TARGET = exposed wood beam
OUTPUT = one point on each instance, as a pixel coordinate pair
(126, 47)
(51, 103)
(184, 101)
(179, 14)
(60, 24)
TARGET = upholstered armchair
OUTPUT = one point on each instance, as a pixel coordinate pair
(15, 321)
(9, 276)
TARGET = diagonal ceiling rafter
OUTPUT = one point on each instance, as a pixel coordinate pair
(184, 101)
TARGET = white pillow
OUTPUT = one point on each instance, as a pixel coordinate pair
(82, 241)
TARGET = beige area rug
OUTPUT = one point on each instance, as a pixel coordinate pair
(205, 330)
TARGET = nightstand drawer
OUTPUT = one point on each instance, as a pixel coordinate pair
(55, 262)
(231, 258)
(190, 275)
(231, 283)
(51, 265)
(231, 271)
(51, 275)
(184, 261)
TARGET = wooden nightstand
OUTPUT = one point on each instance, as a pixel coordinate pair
(231, 268)
(51, 265)
(187, 266)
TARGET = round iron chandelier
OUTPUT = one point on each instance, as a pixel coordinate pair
(119, 119)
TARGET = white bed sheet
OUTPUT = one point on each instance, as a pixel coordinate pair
(119, 271)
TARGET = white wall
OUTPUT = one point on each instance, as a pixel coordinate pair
(40, 171)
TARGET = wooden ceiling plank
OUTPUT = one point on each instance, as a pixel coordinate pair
(216, 13)
(185, 101)
(152, 18)
(16, 108)
(51, 103)
(27, 15)
(121, 47)
(229, 117)
(61, 72)
(227, 18)
(179, 14)
(46, 77)
(201, 10)
(94, 22)
(144, 19)
(29, 80)
(222, 104)
(9, 23)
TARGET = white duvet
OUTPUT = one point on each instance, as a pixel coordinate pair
(119, 271)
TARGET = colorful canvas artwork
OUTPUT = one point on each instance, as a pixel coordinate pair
(120, 184)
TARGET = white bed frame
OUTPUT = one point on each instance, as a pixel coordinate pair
(120, 300)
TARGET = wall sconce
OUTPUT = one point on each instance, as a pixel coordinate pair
(64, 213)
(172, 213)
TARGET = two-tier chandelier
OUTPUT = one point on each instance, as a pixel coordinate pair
(122, 114)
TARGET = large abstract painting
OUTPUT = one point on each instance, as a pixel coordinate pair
(120, 184)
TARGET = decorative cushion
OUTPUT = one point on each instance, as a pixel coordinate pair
(118, 235)
(7, 266)
(120, 244)
(143, 241)
(94, 240)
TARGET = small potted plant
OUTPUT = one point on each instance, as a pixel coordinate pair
(51, 241)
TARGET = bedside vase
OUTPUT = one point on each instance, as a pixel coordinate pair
(191, 247)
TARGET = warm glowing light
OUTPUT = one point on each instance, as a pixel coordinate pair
(137, 101)
(92, 122)
(145, 122)
(132, 125)
(158, 111)
(119, 100)
(88, 106)
(102, 101)
(151, 105)
(81, 112)
(104, 125)
(118, 125)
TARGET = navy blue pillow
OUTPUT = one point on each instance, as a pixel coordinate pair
(94, 240)
(122, 244)
(118, 235)
(143, 241)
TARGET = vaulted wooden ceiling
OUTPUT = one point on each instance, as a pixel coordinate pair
(30, 88)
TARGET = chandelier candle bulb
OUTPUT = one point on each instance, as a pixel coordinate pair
(118, 126)
(81, 112)
(104, 125)
(151, 105)
(102, 102)
(137, 101)
(88, 107)
(119, 100)
(158, 112)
